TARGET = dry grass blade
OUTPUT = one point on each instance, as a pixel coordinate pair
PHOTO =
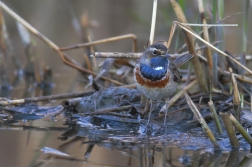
(201, 121)
(190, 44)
(211, 46)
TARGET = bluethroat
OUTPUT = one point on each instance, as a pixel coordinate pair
(157, 76)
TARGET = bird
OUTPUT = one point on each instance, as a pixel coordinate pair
(157, 76)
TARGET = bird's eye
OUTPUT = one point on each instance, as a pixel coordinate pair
(155, 52)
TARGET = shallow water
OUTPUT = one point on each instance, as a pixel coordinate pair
(103, 147)
(93, 148)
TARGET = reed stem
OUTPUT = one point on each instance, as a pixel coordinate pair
(230, 130)
(215, 117)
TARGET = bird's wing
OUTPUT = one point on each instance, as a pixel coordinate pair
(175, 74)
(179, 61)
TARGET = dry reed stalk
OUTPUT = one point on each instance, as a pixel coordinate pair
(246, 161)
(6, 102)
(236, 99)
(202, 121)
(237, 76)
(206, 37)
(190, 31)
(132, 55)
(94, 62)
(87, 62)
(178, 95)
(45, 98)
(153, 21)
(232, 158)
(215, 117)
(117, 55)
(250, 102)
(190, 44)
(152, 32)
(230, 130)
(108, 110)
(29, 128)
(101, 41)
(239, 127)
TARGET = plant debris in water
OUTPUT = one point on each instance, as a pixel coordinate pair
(99, 117)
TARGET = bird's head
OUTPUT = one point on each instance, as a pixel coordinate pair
(155, 55)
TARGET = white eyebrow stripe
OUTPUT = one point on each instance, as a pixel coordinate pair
(152, 49)
(158, 68)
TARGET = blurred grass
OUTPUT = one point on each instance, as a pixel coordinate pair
(245, 26)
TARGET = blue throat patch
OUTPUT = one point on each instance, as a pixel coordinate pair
(156, 70)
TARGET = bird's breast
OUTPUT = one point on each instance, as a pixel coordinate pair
(152, 73)
(151, 78)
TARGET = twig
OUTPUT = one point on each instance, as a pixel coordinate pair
(18, 127)
(114, 114)
(108, 110)
(45, 98)
(171, 112)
